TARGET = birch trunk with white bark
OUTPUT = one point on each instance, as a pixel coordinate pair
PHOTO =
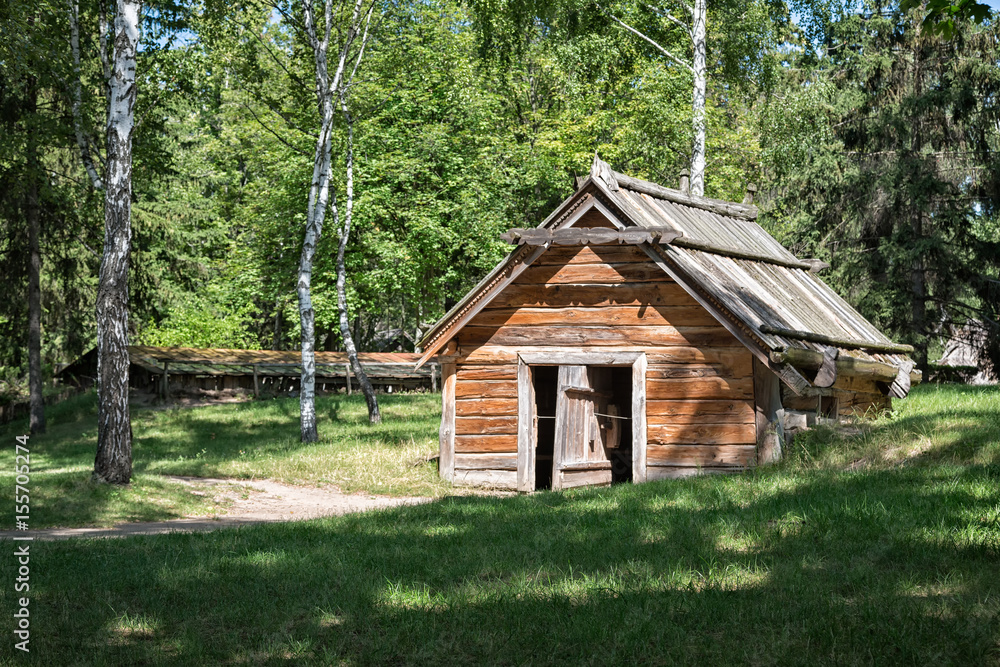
(113, 463)
(698, 35)
(35, 385)
(327, 91)
(82, 140)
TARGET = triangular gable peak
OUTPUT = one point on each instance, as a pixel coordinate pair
(771, 301)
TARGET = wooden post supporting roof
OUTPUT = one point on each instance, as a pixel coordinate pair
(768, 413)
(446, 459)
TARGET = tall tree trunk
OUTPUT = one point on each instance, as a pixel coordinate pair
(374, 415)
(698, 31)
(35, 384)
(82, 141)
(113, 463)
(327, 90)
(307, 315)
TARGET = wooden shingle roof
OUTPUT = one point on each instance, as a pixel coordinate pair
(761, 292)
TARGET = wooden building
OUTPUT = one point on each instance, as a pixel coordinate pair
(641, 333)
(173, 371)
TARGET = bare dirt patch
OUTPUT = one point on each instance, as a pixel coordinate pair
(253, 501)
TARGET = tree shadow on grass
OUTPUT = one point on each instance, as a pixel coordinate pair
(875, 567)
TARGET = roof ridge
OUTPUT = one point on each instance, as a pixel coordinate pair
(720, 206)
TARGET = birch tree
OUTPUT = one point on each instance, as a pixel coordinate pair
(113, 463)
(333, 91)
(693, 25)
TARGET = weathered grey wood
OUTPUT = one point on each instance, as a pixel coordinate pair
(816, 265)
(347, 377)
(900, 387)
(492, 479)
(256, 382)
(434, 378)
(580, 236)
(704, 203)
(846, 365)
(489, 461)
(165, 382)
(769, 415)
(585, 391)
(526, 429)
(569, 422)
(639, 419)
(579, 356)
(569, 479)
(446, 454)
(827, 373)
(681, 472)
(786, 372)
(736, 253)
(849, 343)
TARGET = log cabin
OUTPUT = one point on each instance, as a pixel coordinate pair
(641, 333)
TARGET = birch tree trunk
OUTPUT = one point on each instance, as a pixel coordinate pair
(697, 33)
(344, 233)
(114, 430)
(327, 91)
(82, 140)
(35, 384)
(699, 18)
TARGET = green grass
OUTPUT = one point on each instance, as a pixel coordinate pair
(242, 441)
(894, 561)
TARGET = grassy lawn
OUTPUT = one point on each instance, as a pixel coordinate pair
(894, 560)
(243, 441)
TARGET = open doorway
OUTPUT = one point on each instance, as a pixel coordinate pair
(544, 379)
(613, 417)
(582, 426)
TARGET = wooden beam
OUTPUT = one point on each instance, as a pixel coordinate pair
(768, 414)
(578, 356)
(446, 437)
(846, 365)
(827, 373)
(734, 253)
(525, 429)
(676, 196)
(574, 236)
(639, 419)
(849, 343)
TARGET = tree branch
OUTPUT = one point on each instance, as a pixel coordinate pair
(649, 40)
(271, 131)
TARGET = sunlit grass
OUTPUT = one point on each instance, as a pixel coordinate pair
(814, 561)
(254, 440)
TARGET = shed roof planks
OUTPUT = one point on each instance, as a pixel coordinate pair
(715, 250)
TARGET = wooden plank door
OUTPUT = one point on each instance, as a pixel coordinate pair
(578, 456)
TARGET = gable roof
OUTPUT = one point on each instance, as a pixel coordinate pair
(769, 299)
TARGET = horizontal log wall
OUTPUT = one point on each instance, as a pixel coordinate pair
(699, 382)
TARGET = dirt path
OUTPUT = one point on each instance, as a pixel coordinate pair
(266, 502)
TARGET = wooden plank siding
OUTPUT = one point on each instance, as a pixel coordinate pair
(699, 380)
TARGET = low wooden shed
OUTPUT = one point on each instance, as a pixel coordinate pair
(640, 333)
(169, 371)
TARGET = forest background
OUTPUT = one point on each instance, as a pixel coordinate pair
(872, 138)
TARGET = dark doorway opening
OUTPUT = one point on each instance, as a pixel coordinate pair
(545, 380)
(614, 418)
